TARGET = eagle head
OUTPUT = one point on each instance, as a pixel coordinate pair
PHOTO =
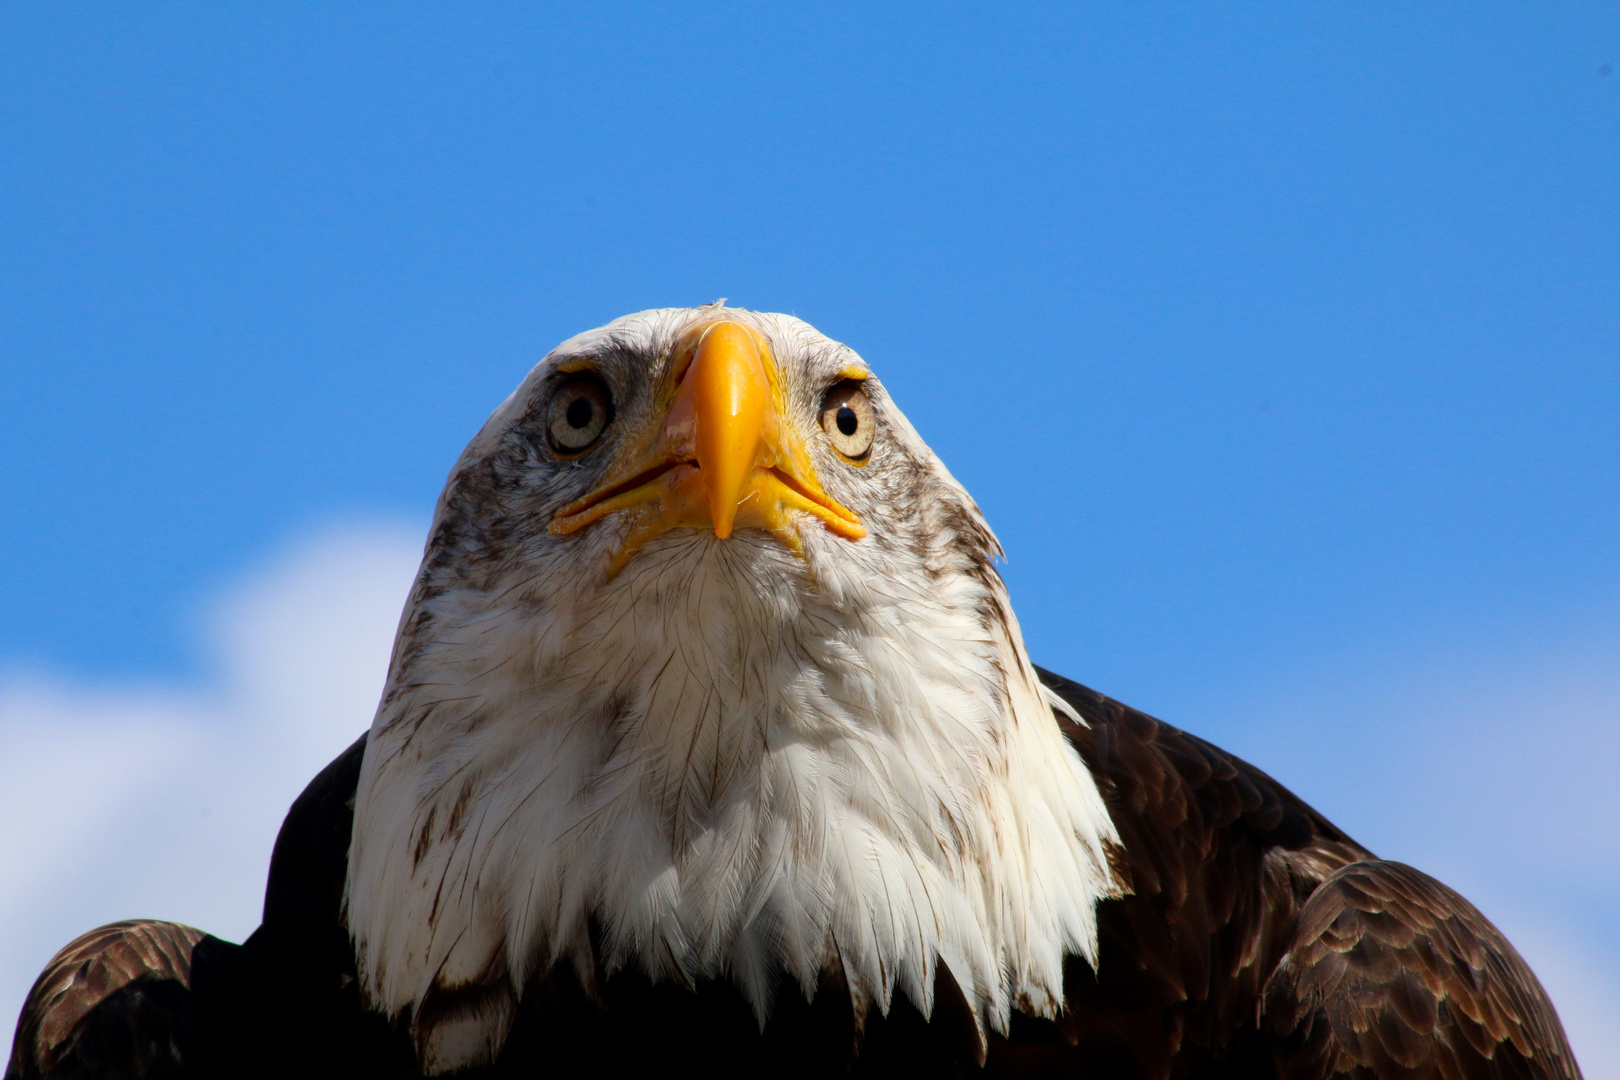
(708, 672)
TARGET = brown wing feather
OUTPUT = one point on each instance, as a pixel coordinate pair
(117, 994)
(1219, 858)
(1392, 974)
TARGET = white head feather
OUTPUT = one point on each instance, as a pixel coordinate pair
(735, 761)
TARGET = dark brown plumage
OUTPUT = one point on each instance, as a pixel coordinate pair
(1257, 941)
(115, 1002)
(1392, 974)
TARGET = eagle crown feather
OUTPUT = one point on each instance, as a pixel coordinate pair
(735, 760)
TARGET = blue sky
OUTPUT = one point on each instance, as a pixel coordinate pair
(1281, 344)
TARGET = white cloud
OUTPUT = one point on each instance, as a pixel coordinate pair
(145, 802)
(1496, 775)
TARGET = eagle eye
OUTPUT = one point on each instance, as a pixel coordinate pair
(846, 417)
(580, 411)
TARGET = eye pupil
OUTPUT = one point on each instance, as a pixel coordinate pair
(848, 422)
(580, 411)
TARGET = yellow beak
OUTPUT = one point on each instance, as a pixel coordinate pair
(729, 391)
(724, 457)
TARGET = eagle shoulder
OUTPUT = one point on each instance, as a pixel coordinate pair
(114, 1001)
(1392, 974)
(293, 1002)
(1219, 859)
(1257, 936)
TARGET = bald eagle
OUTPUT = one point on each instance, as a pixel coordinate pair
(710, 744)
